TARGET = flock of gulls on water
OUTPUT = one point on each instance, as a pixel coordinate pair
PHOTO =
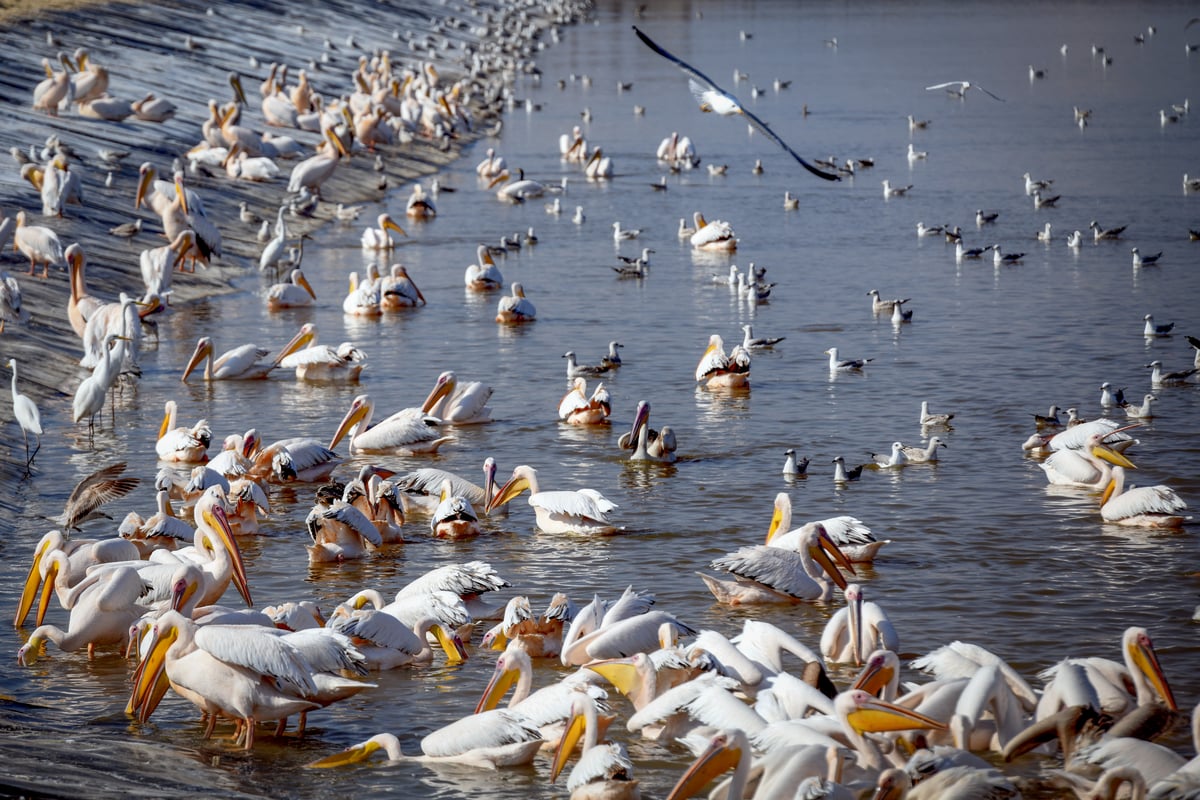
(784, 730)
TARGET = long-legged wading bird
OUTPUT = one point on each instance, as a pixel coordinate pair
(713, 98)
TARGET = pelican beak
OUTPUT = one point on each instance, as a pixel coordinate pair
(1065, 726)
(145, 176)
(442, 388)
(1145, 659)
(874, 677)
(202, 349)
(215, 517)
(150, 680)
(776, 521)
(32, 582)
(503, 677)
(507, 492)
(720, 757)
(351, 755)
(358, 410)
(622, 673)
(302, 337)
(235, 82)
(826, 553)
(303, 281)
(856, 631)
(47, 591)
(390, 224)
(576, 727)
(639, 420)
(501, 178)
(182, 592)
(166, 423)
(181, 194)
(1108, 491)
(452, 646)
(1112, 456)
(879, 716)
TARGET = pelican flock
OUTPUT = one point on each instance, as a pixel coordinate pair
(800, 696)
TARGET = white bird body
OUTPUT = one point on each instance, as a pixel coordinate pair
(582, 511)
(1146, 506)
(406, 432)
(577, 408)
(484, 276)
(320, 362)
(716, 235)
(839, 364)
(38, 243)
(379, 237)
(515, 308)
(244, 362)
(765, 574)
(26, 413)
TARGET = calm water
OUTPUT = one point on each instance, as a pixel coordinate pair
(982, 550)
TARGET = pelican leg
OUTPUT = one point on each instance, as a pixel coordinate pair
(249, 733)
(210, 724)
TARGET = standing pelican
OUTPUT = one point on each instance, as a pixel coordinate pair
(713, 98)
(458, 403)
(580, 511)
(407, 432)
(26, 413)
(102, 606)
(1147, 506)
(311, 173)
(241, 363)
(515, 308)
(484, 276)
(38, 243)
(379, 238)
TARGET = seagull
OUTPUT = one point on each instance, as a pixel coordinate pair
(1075, 240)
(1159, 378)
(792, 466)
(1051, 419)
(917, 124)
(749, 341)
(620, 233)
(928, 230)
(582, 370)
(1036, 74)
(894, 191)
(1032, 185)
(916, 155)
(713, 98)
(933, 419)
(1005, 258)
(841, 474)
(836, 364)
(1190, 184)
(985, 219)
(961, 91)
(974, 252)
(127, 230)
(1109, 397)
(1099, 233)
(790, 202)
(899, 315)
(1156, 330)
(1140, 260)
(579, 217)
(1140, 412)
(1044, 202)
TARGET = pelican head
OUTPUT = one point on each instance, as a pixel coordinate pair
(360, 412)
(149, 680)
(146, 176)
(204, 349)
(523, 478)
(209, 514)
(306, 336)
(828, 555)
(1140, 653)
(726, 750)
(509, 667)
(445, 385)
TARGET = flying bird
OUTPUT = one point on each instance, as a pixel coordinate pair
(713, 98)
(961, 90)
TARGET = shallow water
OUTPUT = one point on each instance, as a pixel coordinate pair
(982, 550)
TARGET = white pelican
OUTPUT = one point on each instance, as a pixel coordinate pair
(102, 606)
(158, 264)
(362, 299)
(241, 363)
(249, 673)
(153, 109)
(857, 629)
(1088, 467)
(420, 205)
(773, 575)
(320, 362)
(576, 408)
(852, 537)
(598, 166)
(296, 293)
(716, 235)
(484, 276)
(580, 511)
(718, 370)
(379, 238)
(713, 98)
(648, 444)
(1147, 506)
(57, 87)
(389, 636)
(312, 172)
(26, 413)
(454, 517)
(340, 532)
(38, 243)
(492, 739)
(604, 771)
(420, 490)
(398, 291)
(837, 364)
(516, 191)
(1142, 411)
(515, 308)
(457, 403)
(492, 165)
(571, 146)
(187, 445)
(407, 432)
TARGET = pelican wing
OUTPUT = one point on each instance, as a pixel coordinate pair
(604, 762)
(307, 452)
(629, 636)
(327, 650)
(241, 361)
(1068, 466)
(781, 570)
(1143, 500)
(318, 355)
(354, 519)
(574, 400)
(428, 481)
(468, 402)
(473, 577)
(488, 730)
(587, 504)
(714, 359)
(453, 507)
(260, 650)
(630, 604)
(380, 629)
(1076, 437)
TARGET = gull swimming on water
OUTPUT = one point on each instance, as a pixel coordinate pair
(761, 343)
(1108, 397)
(836, 364)
(841, 474)
(1099, 233)
(1159, 378)
(1151, 329)
(879, 306)
(894, 191)
(1044, 234)
(792, 466)
(975, 252)
(985, 219)
(962, 88)
(713, 98)
(928, 230)
(1140, 260)
(924, 455)
(916, 155)
(1140, 412)
(933, 419)
(896, 458)
(1032, 185)
(789, 202)
(1075, 240)
(1005, 258)
(917, 124)
(1044, 202)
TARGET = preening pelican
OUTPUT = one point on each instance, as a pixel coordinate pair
(581, 511)
(454, 517)
(340, 531)
(321, 362)
(420, 205)
(50, 93)
(296, 293)
(492, 739)
(716, 235)
(398, 634)
(515, 308)
(715, 99)
(457, 403)
(241, 363)
(484, 276)
(771, 575)
(180, 444)
(362, 299)
(856, 630)
(648, 444)
(576, 408)
(379, 238)
(407, 432)
(572, 146)
(38, 243)
(1147, 506)
(604, 771)
(598, 166)
(158, 265)
(80, 554)
(398, 291)
(718, 370)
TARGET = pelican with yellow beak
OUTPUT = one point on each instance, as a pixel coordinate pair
(311, 173)
(581, 511)
(379, 238)
(296, 293)
(239, 364)
(1088, 467)
(409, 431)
(771, 575)
(182, 444)
(1144, 506)
(457, 403)
(604, 771)
(321, 363)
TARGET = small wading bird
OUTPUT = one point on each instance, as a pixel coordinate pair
(713, 98)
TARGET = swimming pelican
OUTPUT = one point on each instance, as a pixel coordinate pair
(399, 291)
(718, 370)
(407, 432)
(454, 517)
(38, 243)
(580, 511)
(648, 444)
(576, 408)
(765, 574)
(713, 98)
(297, 293)
(515, 309)
(572, 146)
(598, 166)
(604, 771)
(185, 445)
(518, 190)
(856, 630)
(837, 364)
(1146, 506)
(852, 537)
(379, 238)
(491, 739)
(484, 276)
(26, 413)
(492, 165)
(1088, 467)
(241, 363)
(960, 88)
(457, 403)
(340, 531)
(420, 205)
(320, 362)
(716, 235)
